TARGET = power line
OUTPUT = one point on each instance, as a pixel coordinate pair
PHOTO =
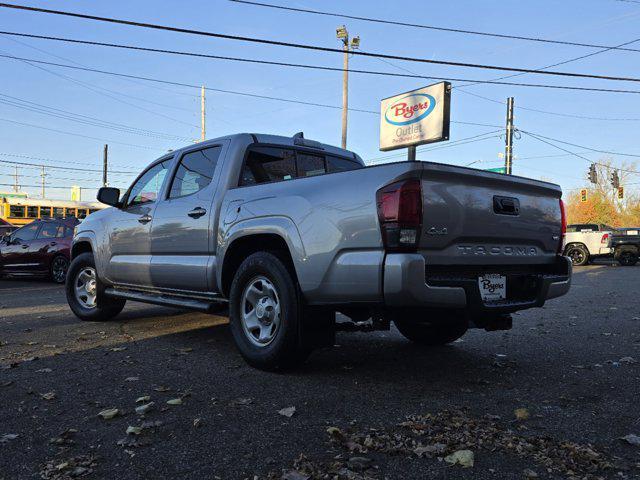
(564, 62)
(58, 167)
(455, 143)
(110, 95)
(319, 48)
(608, 152)
(84, 119)
(219, 90)
(314, 67)
(540, 138)
(432, 27)
(29, 157)
(558, 114)
(76, 134)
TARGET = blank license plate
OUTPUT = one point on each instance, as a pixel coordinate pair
(492, 287)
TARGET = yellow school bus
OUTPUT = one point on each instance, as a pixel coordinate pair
(21, 211)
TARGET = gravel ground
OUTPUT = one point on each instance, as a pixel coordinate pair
(552, 397)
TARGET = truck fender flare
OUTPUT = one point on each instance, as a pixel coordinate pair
(269, 225)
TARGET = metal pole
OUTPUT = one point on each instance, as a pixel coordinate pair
(43, 177)
(105, 162)
(508, 148)
(203, 127)
(345, 91)
(15, 184)
(411, 154)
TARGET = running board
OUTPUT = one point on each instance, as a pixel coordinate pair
(165, 300)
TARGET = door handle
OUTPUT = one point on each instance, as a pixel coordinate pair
(145, 219)
(25, 246)
(197, 212)
(53, 244)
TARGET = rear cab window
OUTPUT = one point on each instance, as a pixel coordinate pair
(265, 164)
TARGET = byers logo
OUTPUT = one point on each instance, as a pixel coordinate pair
(410, 109)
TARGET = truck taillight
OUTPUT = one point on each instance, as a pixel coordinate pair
(605, 239)
(563, 231)
(400, 214)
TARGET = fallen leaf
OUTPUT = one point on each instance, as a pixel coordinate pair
(109, 413)
(142, 409)
(528, 473)
(521, 413)
(134, 430)
(632, 439)
(118, 349)
(143, 399)
(197, 422)
(44, 370)
(287, 412)
(242, 401)
(463, 458)
(629, 360)
(132, 379)
(48, 395)
(295, 475)
(7, 437)
(174, 401)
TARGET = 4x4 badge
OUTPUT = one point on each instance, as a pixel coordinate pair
(437, 231)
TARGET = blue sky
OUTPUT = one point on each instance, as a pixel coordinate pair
(175, 110)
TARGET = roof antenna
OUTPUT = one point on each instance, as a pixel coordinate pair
(299, 135)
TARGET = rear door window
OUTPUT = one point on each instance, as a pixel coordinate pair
(339, 164)
(268, 164)
(48, 230)
(195, 172)
(310, 165)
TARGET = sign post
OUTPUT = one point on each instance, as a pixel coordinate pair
(415, 118)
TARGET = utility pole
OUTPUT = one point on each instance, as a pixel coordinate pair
(203, 125)
(105, 162)
(508, 147)
(43, 175)
(15, 181)
(343, 35)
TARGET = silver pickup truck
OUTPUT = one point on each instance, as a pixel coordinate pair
(290, 231)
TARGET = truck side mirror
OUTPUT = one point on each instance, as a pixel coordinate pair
(110, 196)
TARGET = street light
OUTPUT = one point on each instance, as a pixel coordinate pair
(342, 34)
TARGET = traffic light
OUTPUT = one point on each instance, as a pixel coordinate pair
(620, 193)
(593, 174)
(583, 195)
(615, 179)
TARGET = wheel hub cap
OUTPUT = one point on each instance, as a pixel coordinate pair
(86, 287)
(260, 311)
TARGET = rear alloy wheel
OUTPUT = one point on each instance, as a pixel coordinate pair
(578, 254)
(59, 267)
(628, 259)
(85, 292)
(432, 334)
(265, 313)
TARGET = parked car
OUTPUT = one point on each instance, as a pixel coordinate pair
(586, 241)
(290, 231)
(5, 228)
(41, 248)
(625, 244)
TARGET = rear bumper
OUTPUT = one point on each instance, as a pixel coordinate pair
(407, 283)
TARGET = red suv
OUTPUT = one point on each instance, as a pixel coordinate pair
(41, 249)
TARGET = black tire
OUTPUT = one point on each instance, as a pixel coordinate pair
(578, 254)
(284, 350)
(59, 268)
(445, 331)
(627, 259)
(105, 308)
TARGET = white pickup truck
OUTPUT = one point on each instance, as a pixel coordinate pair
(586, 241)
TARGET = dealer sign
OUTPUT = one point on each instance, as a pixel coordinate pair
(416, 117)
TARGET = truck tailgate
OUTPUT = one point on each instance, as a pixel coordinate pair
(474, 217)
